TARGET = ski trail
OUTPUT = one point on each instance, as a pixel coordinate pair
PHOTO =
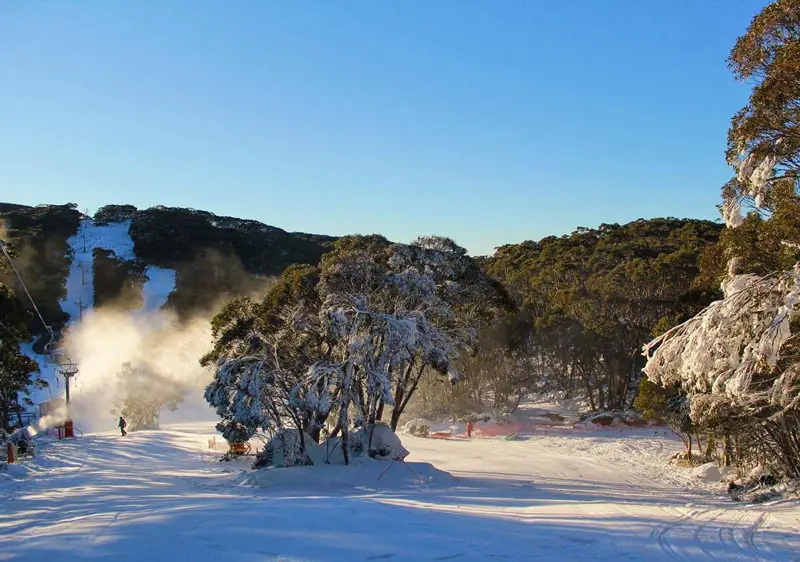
(155, 495)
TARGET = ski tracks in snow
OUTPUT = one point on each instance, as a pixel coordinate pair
(722, 534)
(159, 496)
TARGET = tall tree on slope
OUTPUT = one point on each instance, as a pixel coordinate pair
(16, 370)
(738, 359)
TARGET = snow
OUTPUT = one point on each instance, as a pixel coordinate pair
(161, 495)
(80, 283)
(708, 472)
(47, 371)
(115, 237)
(160, 283)
(364, 474)
(79, 299)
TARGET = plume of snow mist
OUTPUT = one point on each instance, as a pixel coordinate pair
(53, 419)
(152, 341)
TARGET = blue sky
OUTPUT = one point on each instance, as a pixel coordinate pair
(491, 122)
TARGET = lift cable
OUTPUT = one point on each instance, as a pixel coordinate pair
(25, 287)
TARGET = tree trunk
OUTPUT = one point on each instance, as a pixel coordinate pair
(336, 429)
(370, 431)
(343, 421)
(400, 405)
(728, 460)
(589, 395)
(601, 396)
(517, 401)
(5, 400)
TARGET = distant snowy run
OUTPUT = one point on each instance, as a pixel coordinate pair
(80, 283)
(79, 299)
(160, 283)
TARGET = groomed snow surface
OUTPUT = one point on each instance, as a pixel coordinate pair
(162, 495)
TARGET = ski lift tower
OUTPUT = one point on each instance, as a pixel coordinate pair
(68, 370)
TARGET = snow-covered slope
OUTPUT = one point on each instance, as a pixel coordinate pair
(79, 299)
(80, 288)
(162, 496)
(160, 283)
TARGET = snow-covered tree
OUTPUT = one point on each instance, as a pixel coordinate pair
(737, 361)
(763, 140)
(342, 343)
(256, 391)
(739, 355)
(386, 336)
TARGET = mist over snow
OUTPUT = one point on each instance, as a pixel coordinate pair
(155, 342)
(101, 341)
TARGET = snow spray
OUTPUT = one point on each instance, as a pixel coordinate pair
(154, 342)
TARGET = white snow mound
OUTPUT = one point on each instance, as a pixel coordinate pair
(708, 472)
(387, 443)
(361, 473)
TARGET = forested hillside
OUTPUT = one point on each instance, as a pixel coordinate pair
(581, 305)
(37, 237)
(587, 302)
(215, 257)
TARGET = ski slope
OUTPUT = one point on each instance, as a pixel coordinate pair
(79, 298)
(161, 495)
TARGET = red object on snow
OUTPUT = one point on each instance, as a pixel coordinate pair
(469, 429)
(239, 447)
(68, 429)
(441, 434)
(10, 452)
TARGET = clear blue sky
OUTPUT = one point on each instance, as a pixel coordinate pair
(491, 122)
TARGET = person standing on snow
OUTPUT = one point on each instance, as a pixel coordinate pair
(122, 425)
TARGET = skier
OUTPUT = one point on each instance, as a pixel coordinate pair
(122, 425)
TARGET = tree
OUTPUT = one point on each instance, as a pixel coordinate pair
(38, 237)
(590, 299)
(739, 354)
(263, 350)
(217, 257)
(737, 359)
(651, 400)
(764, 137)
(143, 394)
(342, 342)
(16, 369)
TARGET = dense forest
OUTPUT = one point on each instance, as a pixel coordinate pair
(585, 303)
(367, 334)
(37, 236)
(576, 309)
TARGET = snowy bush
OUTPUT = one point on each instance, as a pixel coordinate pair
(387, 444)
(708, 472)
